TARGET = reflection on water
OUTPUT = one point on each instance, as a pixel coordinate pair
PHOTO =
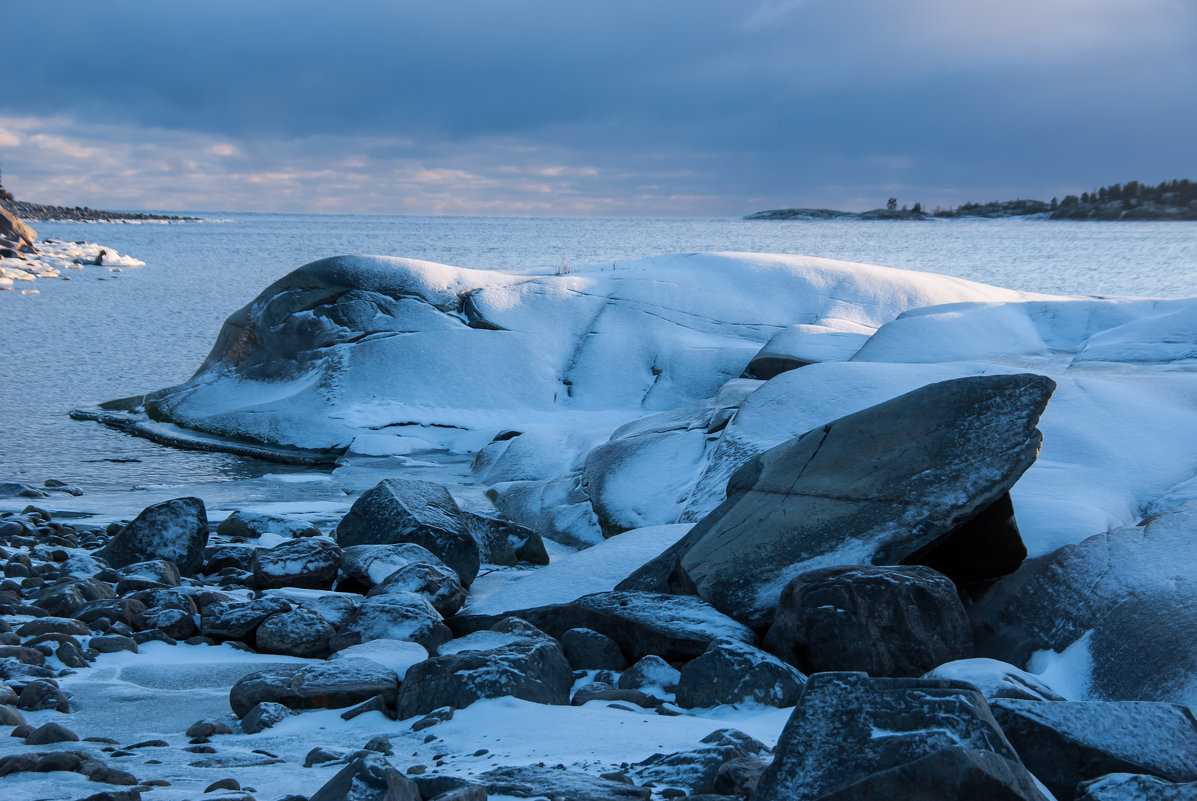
(108, 335)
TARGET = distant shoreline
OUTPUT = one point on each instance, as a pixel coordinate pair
(39, 212)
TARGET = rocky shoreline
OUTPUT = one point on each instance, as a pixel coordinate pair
(40, 212)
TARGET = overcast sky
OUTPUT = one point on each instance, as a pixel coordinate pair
(580, 107)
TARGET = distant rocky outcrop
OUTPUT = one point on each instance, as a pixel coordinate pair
(45, 213)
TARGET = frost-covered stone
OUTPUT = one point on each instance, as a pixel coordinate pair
(253, 525)
(1133, 787)
(531, 781)
(365, 566)
(588, 650)
(311, 563)
(884, 621)
(409, 510)
(320, 685)
(431, 579)
(528, 665)
(397, 616)
(238, 620)
(1132, 587)
(1069, 742)
(651, 674)
(369, 777)
(299, 632)
(153, 574)
(855, 737)
(176, 531)
(733, 673)
(697, 771)
(264, 715)
(671, 626)
(880, 486)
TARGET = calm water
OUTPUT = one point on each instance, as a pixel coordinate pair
(103, 336)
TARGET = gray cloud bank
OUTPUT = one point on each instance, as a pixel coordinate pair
(568, 108)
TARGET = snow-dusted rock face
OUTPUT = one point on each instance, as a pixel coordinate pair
(350, 345)
(175, 530)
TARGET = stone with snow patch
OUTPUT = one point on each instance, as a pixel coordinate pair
(996, 679)
(524, 664)
(299, 632)
(175, 530)
(320, 685)
(671, 626)
(1068, 742)
(431, 579)
(238, 620)
(369, 777)
(880, 620)
(410, 510)
(531, 781)
(253, 525)
(264, 715)
(651, 674)
(1132, 587)
(732, 672)
(800, 345)
(881, 486)
(697, 771)
(1134, 787)
(364, 566)
(855, 737)
(308, 563)
(501, 542)
(395, 616)
(65, 600)
(153, 573)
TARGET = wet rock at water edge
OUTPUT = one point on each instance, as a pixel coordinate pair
(884, 621)
(175, 530)
(409, 510)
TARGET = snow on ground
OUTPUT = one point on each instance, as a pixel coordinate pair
(54, 258)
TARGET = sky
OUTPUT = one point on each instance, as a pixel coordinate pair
(588, 108)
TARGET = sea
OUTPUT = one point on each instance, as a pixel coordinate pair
(105, 335)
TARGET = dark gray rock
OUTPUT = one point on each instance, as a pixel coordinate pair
(368, 777)
(588, 650)
(532, 782)
(52, 625)
(530, 666)
(51, 733)
(15, 489)
(253, 525)
(207, 728)
(322, 685)
(408, 510)
(671, 626)
(884, 621)
(300, 632)
(696, 771)
(308, 563)
(501, 542)
(739, 777)
(117, 610)
(66, 600)
(733, 673)
(151, 574)
(176, 531)
(10, 716)
(396, 616)
(239, 621)
(1068, 742)
(436, 582)
(1132, 587)
(887, 485)
(363, 567)
(652, 674)
(38, 695)
(852, 737)
(112, 643)
(602, 691)
(264, 715)
(174, 623)
(1131, 787)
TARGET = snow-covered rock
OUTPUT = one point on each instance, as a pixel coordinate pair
(175, 530)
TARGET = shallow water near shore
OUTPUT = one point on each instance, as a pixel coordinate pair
(106, 335)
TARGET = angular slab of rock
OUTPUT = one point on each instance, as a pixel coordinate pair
(536, 782)
(409, 510)
(1068, 742)
(1132, 587)
(175, 530)
(852, 737)
(529, 667)
(321, 685)
(882, 486)
(884, 621)
(675, 627)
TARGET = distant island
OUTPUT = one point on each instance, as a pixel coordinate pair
(1170, 200)
(39, 212)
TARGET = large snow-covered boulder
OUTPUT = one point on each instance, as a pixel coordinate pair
(175, 530)
(346, 346)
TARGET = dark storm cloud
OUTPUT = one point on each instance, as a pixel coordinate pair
(679, 107)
